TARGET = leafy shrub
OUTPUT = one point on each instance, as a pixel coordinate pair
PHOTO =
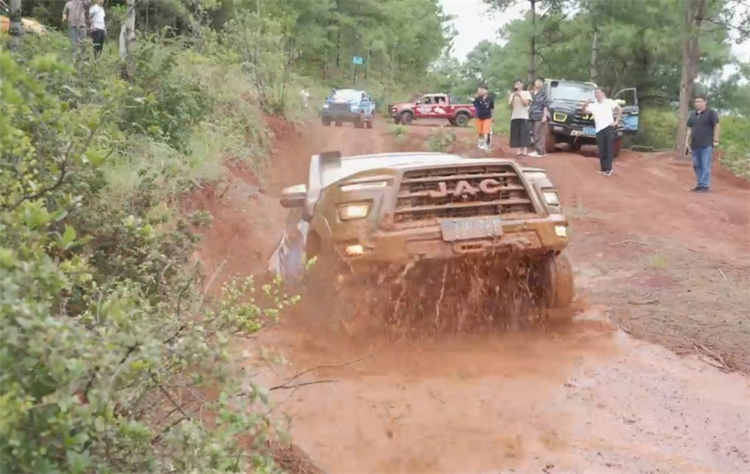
(112, 360)
(163, 104)
(441, 141)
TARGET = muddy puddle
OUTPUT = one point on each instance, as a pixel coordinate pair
(583, 399)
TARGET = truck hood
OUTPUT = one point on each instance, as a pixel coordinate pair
(366, 166)
(567, 106)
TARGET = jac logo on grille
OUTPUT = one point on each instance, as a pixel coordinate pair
(464, 188)
(587, 117)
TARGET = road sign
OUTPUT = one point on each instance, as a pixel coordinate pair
(357, 60)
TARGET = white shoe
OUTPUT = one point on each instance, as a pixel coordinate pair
(534, 154)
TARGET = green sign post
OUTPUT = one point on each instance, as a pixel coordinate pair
(357, 61)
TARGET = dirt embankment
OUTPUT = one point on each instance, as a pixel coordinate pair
(668, 266)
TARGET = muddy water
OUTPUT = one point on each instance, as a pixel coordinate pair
(590, 399)
(587, 399)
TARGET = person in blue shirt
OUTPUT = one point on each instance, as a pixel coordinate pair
(485, 105)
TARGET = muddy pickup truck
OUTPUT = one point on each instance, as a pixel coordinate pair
(359, 215)
(433, 106)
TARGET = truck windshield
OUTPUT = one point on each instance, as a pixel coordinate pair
(571, 91)
(346, 95)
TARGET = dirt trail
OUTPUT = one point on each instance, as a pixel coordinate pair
(587, 399)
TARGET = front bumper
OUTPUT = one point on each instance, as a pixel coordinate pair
(577, 133)
(344, 116)
(528, 236)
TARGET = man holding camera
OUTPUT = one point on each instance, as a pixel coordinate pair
(520, 134)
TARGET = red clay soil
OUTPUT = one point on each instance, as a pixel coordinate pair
(666, 265)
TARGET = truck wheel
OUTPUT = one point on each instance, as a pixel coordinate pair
(462, 119)
(368, 123)
(407, 117)
(575, 146)
(452, 122)
(326, 122)
(553, 284)
(339, 124)
(397, 120)
(550, 141)
(618, 147)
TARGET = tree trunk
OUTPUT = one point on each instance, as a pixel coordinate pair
(16, 26)
(593, 72)
(532, 53)
(127, 40)
(695, 11)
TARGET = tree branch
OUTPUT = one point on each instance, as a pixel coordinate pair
(288, 384)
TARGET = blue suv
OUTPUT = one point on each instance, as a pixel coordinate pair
(348, 105)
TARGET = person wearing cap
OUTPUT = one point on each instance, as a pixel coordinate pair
(484, 105)
(520, 134)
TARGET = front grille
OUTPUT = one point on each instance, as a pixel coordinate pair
(462, 191)
(339, 108)
(578, 121)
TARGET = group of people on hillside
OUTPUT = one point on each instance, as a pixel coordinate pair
(530, 113)
(85, 18)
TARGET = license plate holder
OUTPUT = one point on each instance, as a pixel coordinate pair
(589, 131)
(471, 228)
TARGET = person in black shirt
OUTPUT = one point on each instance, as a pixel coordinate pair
(702, 137)
(485, 105)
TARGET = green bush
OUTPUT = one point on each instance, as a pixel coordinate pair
(113, 360)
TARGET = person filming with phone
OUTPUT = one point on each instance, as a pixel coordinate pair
(520, 133)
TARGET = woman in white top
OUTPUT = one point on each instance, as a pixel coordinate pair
(98, 30)
(520, 133)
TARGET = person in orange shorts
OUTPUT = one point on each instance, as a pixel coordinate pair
(485, 105)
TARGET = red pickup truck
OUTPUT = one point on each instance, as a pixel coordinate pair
(433, 106)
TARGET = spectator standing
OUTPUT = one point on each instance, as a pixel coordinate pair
(98, 28)
(519, 102)
(607, 115)
(702, 137)
(538, 115)
(305, 97)
(74, 12)
(484, 105)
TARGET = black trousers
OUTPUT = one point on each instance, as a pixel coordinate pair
(605, 141)
(97, 36)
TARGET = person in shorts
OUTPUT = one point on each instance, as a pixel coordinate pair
(484, 105)
(520, 133)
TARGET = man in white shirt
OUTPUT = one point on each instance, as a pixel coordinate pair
(98, 28)
(606, 114)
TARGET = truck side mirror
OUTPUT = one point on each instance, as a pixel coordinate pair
(293, 196)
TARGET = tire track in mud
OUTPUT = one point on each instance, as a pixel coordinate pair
(585, 398)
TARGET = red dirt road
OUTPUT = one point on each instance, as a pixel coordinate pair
(667, 266)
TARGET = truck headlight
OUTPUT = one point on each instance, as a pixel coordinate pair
(325, 106)
(551, 197)
(349, 212)
(559, 117)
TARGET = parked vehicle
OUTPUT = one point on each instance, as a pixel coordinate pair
(569, 124)
(348, 105)
(433, 106)
(29, 25)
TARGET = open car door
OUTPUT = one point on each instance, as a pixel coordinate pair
(628, 100)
